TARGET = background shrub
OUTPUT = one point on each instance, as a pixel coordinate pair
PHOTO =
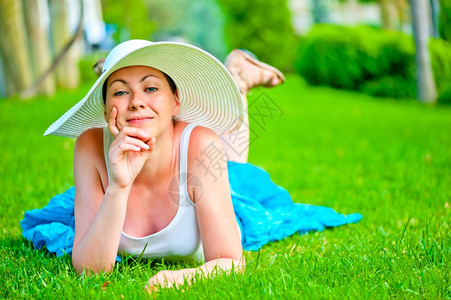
(86, 63)
(441, 65)
(130, 19)
(390, 86)
(374, 61)
(340, 57)
(445, 20)
(263, 27)
(199, 22)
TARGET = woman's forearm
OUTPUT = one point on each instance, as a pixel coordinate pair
(221, 264)
(169, 278)
(97, 250)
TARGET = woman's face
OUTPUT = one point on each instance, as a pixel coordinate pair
(142, 97)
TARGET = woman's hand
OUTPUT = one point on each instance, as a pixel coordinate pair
(169, 278)
(127, 154)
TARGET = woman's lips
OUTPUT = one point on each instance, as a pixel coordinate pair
(139, 120)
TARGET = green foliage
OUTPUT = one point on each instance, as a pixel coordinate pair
(338, 57)
(86, 63)
(199, 22)
(445, 20)
(390, 86)
(216, 26)
(441, 65)
(383, 159)
(262, 27)
(130, 18)
(375, 61)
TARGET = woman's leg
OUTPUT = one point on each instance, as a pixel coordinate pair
(236, 144)
(248, 73)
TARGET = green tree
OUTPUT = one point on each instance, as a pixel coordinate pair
(263, 27)
(40, 49)
(387, 8)
(130, 17)
(13, 47)
(320, 11)
(67, 72)
(421, 31)
(445, 20)
(198, 22)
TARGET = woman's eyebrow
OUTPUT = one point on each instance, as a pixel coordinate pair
(147, 76)
(125, 82)
(118, 80)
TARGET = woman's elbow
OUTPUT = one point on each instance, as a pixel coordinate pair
(240, 264)
(82, 267)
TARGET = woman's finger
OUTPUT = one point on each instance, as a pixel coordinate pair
(112, 122)
(151, 289)
(136, 142)
(128, 144)
(128, 147)
(150, 143)
(134, 133)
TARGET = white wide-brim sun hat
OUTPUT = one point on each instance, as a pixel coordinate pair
(208, 94)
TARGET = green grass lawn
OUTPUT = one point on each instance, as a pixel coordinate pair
(388, 160)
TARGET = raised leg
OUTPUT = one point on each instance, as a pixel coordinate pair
(248, 73)
(236, 144)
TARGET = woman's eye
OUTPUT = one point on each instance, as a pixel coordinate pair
(120, 93)
(151, 89)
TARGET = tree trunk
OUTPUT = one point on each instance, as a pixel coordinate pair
(67, 72)
(403, 14)
(421, 18)
(320, 12)
(435, 11)
(386, 15)
(39, 46)
(14, 47)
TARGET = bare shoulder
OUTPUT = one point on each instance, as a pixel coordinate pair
(89, 147)
(90, 140)
(200, 140)
(203, 139)
(89, 159)
(207, 164)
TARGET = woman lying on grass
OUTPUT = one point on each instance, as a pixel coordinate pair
(151, 176)
(127, 199)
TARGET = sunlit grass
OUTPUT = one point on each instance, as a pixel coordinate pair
(388, 160)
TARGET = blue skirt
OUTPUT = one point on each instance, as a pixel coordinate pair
(264, 211)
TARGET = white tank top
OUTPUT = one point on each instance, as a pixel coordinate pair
(180, 240)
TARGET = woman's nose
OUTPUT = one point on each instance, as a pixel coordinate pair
(136, 102)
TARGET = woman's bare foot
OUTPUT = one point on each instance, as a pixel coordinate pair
(249, 72)
(98, 66)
